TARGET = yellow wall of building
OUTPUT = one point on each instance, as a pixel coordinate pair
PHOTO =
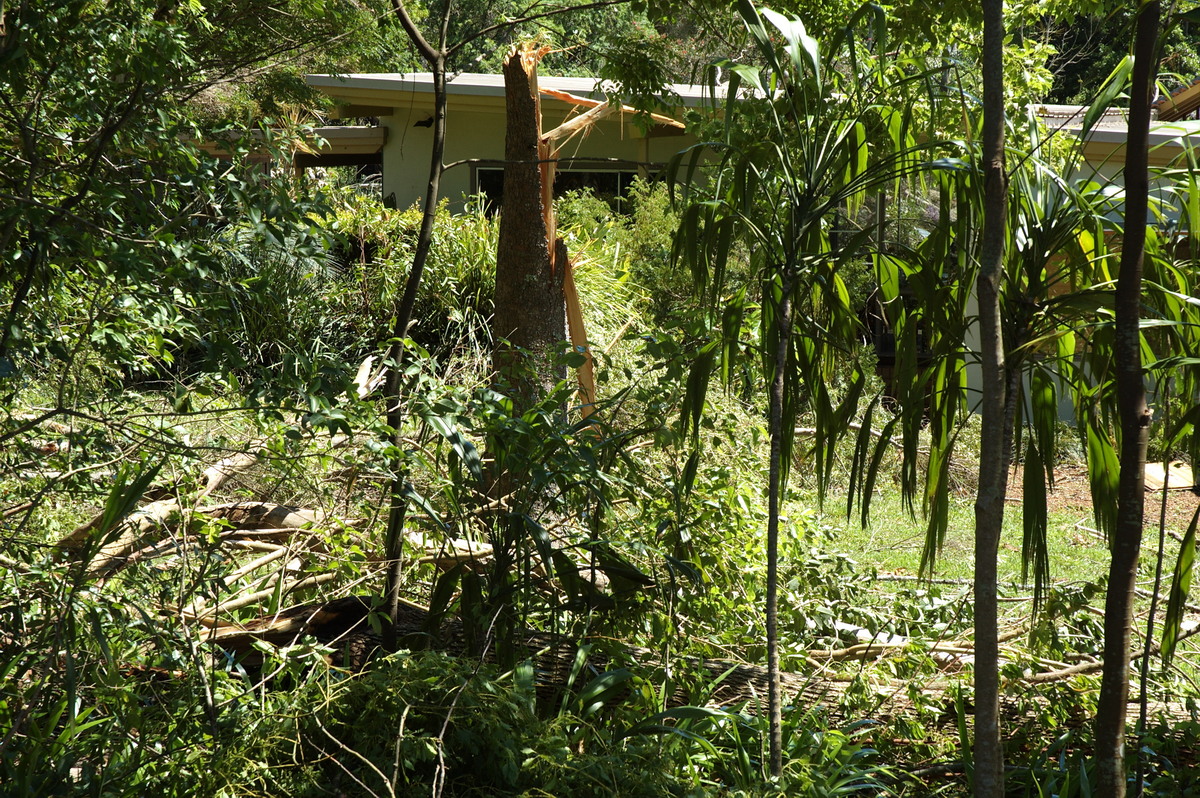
(477, 133)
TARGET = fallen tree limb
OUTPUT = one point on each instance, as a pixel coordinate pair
(154, 518)
(162, 518)
(266, 515)
(261, 595)
(254, 565)
(1063, 673)
(343, 624)
(222, 471)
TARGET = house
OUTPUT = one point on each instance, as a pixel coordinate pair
(606, 159)
(1172, 137)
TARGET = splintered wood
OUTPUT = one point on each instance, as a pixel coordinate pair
(521, 85)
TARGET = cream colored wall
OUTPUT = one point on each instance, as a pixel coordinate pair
(478, 134)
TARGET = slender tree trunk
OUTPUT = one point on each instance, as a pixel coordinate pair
(993, 455)
(1135, 421)
(774, 500)
(398, 505)
(32, 263)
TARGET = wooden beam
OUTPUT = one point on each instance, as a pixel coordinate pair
(1175, 476)
(1179, 105)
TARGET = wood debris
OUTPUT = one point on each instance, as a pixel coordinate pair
(1176, 475)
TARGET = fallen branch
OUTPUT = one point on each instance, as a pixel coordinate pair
(1063, 673)
(153, 518)
(808, 432)
(255, 564)
(588, 102)
(261, 595)
(222, 471)
(343, 622)
(245, 519)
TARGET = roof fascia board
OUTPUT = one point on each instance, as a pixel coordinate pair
(463, 86)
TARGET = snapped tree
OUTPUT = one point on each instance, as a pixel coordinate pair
(436, 54)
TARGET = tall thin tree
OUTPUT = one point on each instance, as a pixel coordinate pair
(995, 447)
(1134, 418)
(833, 139)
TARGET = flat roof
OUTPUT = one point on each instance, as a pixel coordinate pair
(479, 84)
(1161, 133)
(1071, 116)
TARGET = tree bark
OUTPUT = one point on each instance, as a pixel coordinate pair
(994, 450)
(774, 501)
(530, 320)
(398, 504)
(1134, 418)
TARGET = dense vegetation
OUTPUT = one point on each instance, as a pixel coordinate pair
(195, 438)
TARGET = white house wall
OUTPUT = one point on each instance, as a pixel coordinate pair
(477, 134)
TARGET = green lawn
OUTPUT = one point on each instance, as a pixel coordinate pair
(893, 541)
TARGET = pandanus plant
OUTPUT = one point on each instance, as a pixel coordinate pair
(809, 133)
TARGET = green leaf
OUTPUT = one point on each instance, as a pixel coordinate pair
(688, 478)
(1044, 418)
(411, 494)
(129, 485)
(1181, 583)
(602, 689)
(1104, 472)
(696, 391)
(463, 448)
(1035, 555)
(802, 49)
(1113, 87)
(749, 74)
(439, 601)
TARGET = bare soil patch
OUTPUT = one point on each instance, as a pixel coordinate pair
(1072, 494)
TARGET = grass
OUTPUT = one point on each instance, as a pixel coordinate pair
(893, 541)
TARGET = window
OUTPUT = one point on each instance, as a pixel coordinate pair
(609, 180)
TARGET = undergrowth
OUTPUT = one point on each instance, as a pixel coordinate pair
(108, 685)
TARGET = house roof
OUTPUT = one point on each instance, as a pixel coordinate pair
(1168, 143)
(1071, 116)
(1106, 141)
(383, 85)
(1181, 104)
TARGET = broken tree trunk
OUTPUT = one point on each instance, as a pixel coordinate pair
(530, 255)
(530, 321)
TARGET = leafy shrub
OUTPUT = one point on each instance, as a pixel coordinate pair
(642, 235)
(374, 245)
